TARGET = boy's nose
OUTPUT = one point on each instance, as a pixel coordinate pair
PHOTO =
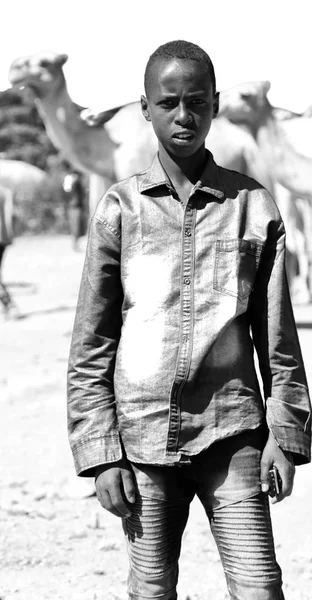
(183, 116)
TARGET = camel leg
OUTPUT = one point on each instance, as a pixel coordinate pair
(5, 297)
(9, 308)
(97, 187)
(302, 282)
(302, 294)
(303, 233)
(307, 224)
(296, 257)
(282, 197)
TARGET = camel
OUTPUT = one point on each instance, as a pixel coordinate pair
(284, 139)
(250, 136)
(18, 180)
(22, 179)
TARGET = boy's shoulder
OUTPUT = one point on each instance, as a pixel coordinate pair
(231, 178)
(118, 194)
(249, 189)
(129, 183)
(233, 184)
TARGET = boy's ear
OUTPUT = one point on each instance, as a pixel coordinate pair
(216, 105)
(144, 108)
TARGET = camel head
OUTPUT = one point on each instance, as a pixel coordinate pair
(245, 103)
(42, 72)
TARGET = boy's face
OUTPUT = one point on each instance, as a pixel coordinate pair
(181, 104)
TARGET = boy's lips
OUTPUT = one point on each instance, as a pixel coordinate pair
(185, 135)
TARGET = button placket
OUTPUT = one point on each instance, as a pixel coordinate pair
(186, 338)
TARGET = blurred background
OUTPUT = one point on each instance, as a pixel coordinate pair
(108, 45)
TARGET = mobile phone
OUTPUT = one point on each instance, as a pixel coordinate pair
(275, 482)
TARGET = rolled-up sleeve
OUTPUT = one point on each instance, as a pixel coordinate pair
(288, 406)
(92, 421)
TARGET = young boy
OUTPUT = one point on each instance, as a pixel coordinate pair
(184, 276)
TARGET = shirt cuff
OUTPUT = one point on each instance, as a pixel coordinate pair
(293, 440)
(91, 453)
(290, 424)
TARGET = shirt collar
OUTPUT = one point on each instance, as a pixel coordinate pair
(209, 181)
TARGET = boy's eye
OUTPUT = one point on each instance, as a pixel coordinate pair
(168, 102)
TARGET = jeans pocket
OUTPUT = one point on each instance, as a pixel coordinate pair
(235, 267)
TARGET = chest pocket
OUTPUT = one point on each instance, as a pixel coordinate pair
(236, 266)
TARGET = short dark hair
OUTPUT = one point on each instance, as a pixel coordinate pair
(179, 49)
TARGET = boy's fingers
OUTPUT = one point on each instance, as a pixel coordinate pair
(118, 503)
(265, 486)
(113, 506)
(287, 477)
(287, 481)
(105, 502)
(264, 477)
(128, 485)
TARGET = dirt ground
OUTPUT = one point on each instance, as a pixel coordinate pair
(55, 540)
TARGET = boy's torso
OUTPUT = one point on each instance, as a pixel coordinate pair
(187, 273)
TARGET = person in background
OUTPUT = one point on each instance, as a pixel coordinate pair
(75, 195)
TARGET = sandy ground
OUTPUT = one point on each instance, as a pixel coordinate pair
(56, 542)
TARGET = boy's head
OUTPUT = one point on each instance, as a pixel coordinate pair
(181, 98)
(182, 50)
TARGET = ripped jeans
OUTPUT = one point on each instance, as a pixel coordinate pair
(226, 478)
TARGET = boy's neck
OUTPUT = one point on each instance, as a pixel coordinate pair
(182, 171)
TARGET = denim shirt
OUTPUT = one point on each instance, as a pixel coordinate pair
(173, 301)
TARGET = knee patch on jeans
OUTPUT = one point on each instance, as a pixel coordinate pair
(154, 531)
(244, 537)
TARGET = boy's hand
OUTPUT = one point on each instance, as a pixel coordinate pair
(283, 461)
(114, 486)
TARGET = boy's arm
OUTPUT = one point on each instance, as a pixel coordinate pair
(92, 419)
(288, 407)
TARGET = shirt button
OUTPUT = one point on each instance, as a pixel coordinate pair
(187, 280)
(188, 233)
